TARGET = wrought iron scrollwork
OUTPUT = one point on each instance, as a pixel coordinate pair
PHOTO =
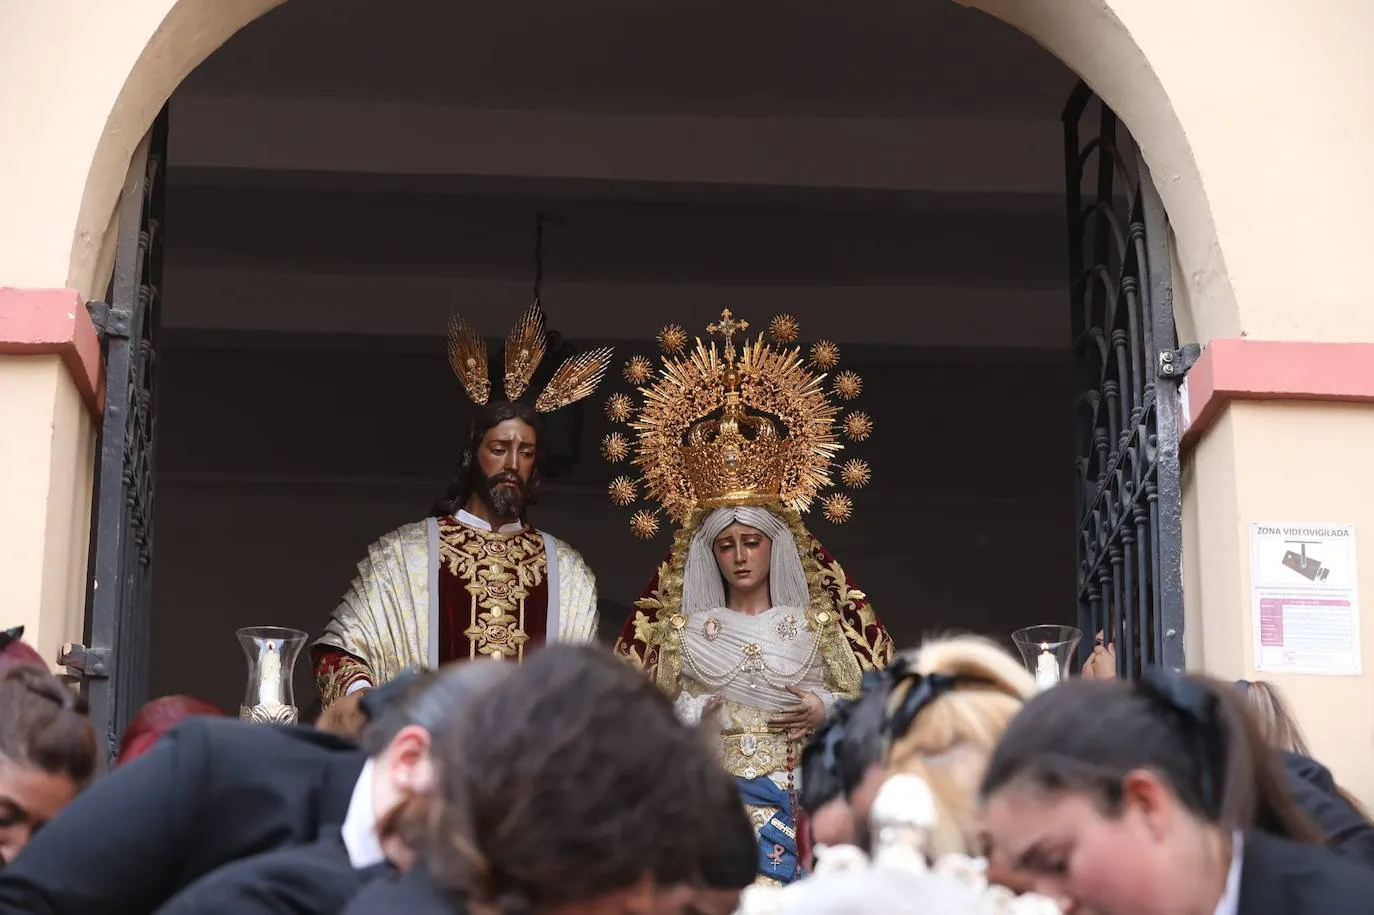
(1126, 424)
(113, 670)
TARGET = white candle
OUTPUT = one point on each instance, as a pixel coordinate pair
(269, 676)
(1046, 668)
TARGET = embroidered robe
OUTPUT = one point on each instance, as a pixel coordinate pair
(442, 589)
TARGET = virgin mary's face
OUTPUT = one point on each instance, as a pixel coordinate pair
(744, 555)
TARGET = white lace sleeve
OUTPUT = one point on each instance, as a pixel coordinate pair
(689, 707)
(828, 699)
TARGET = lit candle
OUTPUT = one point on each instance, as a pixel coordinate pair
(1046, 668)
(269, 676)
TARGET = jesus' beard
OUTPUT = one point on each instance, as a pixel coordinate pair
(504, 501)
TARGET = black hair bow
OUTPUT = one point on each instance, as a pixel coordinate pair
(925, 689)
(9, 636)
(1197, 708)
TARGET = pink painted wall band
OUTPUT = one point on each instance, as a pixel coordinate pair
(39, 322)
(1231, 369)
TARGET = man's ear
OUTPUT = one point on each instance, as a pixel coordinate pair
(407, 760)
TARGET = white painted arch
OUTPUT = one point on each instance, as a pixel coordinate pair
(107, 79)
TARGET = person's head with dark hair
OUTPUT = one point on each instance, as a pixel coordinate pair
(155, 719)
(844, 756)
(501, 469)
(407, 717)
(1123, 797)
(820, 771)
(47, 750)
(730, 851)
(571, 786)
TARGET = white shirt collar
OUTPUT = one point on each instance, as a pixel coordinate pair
(471, 520)
(360, 824)
(1229, 904)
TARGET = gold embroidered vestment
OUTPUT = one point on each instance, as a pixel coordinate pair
(500, 573)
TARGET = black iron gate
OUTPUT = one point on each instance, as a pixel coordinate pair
(1127, 366)
(113, 663)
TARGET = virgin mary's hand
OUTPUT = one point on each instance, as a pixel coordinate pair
(806, 715)
(712, 712)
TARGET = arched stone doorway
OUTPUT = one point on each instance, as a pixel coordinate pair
(146, 50)
(1286, 207)
(1108, 195)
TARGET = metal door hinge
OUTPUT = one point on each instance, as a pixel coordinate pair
(117, 324)
(85, 663)
(1175, 363)
(100, 316)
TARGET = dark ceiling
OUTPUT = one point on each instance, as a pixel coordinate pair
(862, 58)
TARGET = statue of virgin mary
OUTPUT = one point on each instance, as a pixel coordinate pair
(750, 625)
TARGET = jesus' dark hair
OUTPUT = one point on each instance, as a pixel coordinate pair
(469, 474)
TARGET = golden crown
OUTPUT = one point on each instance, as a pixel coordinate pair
(707, 430)
(575, 379)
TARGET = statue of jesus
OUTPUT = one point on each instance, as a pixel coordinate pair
(475, 579)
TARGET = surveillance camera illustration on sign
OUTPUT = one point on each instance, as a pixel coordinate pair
(1308, 567)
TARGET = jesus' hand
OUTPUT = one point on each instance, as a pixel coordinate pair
(805, 716)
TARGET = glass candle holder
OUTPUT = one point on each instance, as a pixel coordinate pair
(270, 697)
(1047, 651)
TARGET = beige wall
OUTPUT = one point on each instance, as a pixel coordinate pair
(1298, 463)
(107, 79)
(47, 451)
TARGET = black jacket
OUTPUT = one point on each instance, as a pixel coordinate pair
(212, 791)
(1279, 877)
(414, 893)
(315, 879)
(1314, 791)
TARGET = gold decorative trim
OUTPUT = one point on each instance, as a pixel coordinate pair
(467, 356)
(498, 572)
(576, 378)
(524, 350)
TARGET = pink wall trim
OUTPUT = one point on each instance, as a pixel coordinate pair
(41, 322)
(1231, 369)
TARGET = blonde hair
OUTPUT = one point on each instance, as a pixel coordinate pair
(1276, 723)
(950, 741)
(1280, 729)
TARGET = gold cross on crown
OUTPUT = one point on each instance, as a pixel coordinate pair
(727, 327)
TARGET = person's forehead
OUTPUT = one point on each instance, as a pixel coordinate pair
(739, 528)
(41, 794)
(511, 430)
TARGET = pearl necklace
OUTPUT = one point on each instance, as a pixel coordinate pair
(754, 666)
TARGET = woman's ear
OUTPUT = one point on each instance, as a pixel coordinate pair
(1146, 797)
